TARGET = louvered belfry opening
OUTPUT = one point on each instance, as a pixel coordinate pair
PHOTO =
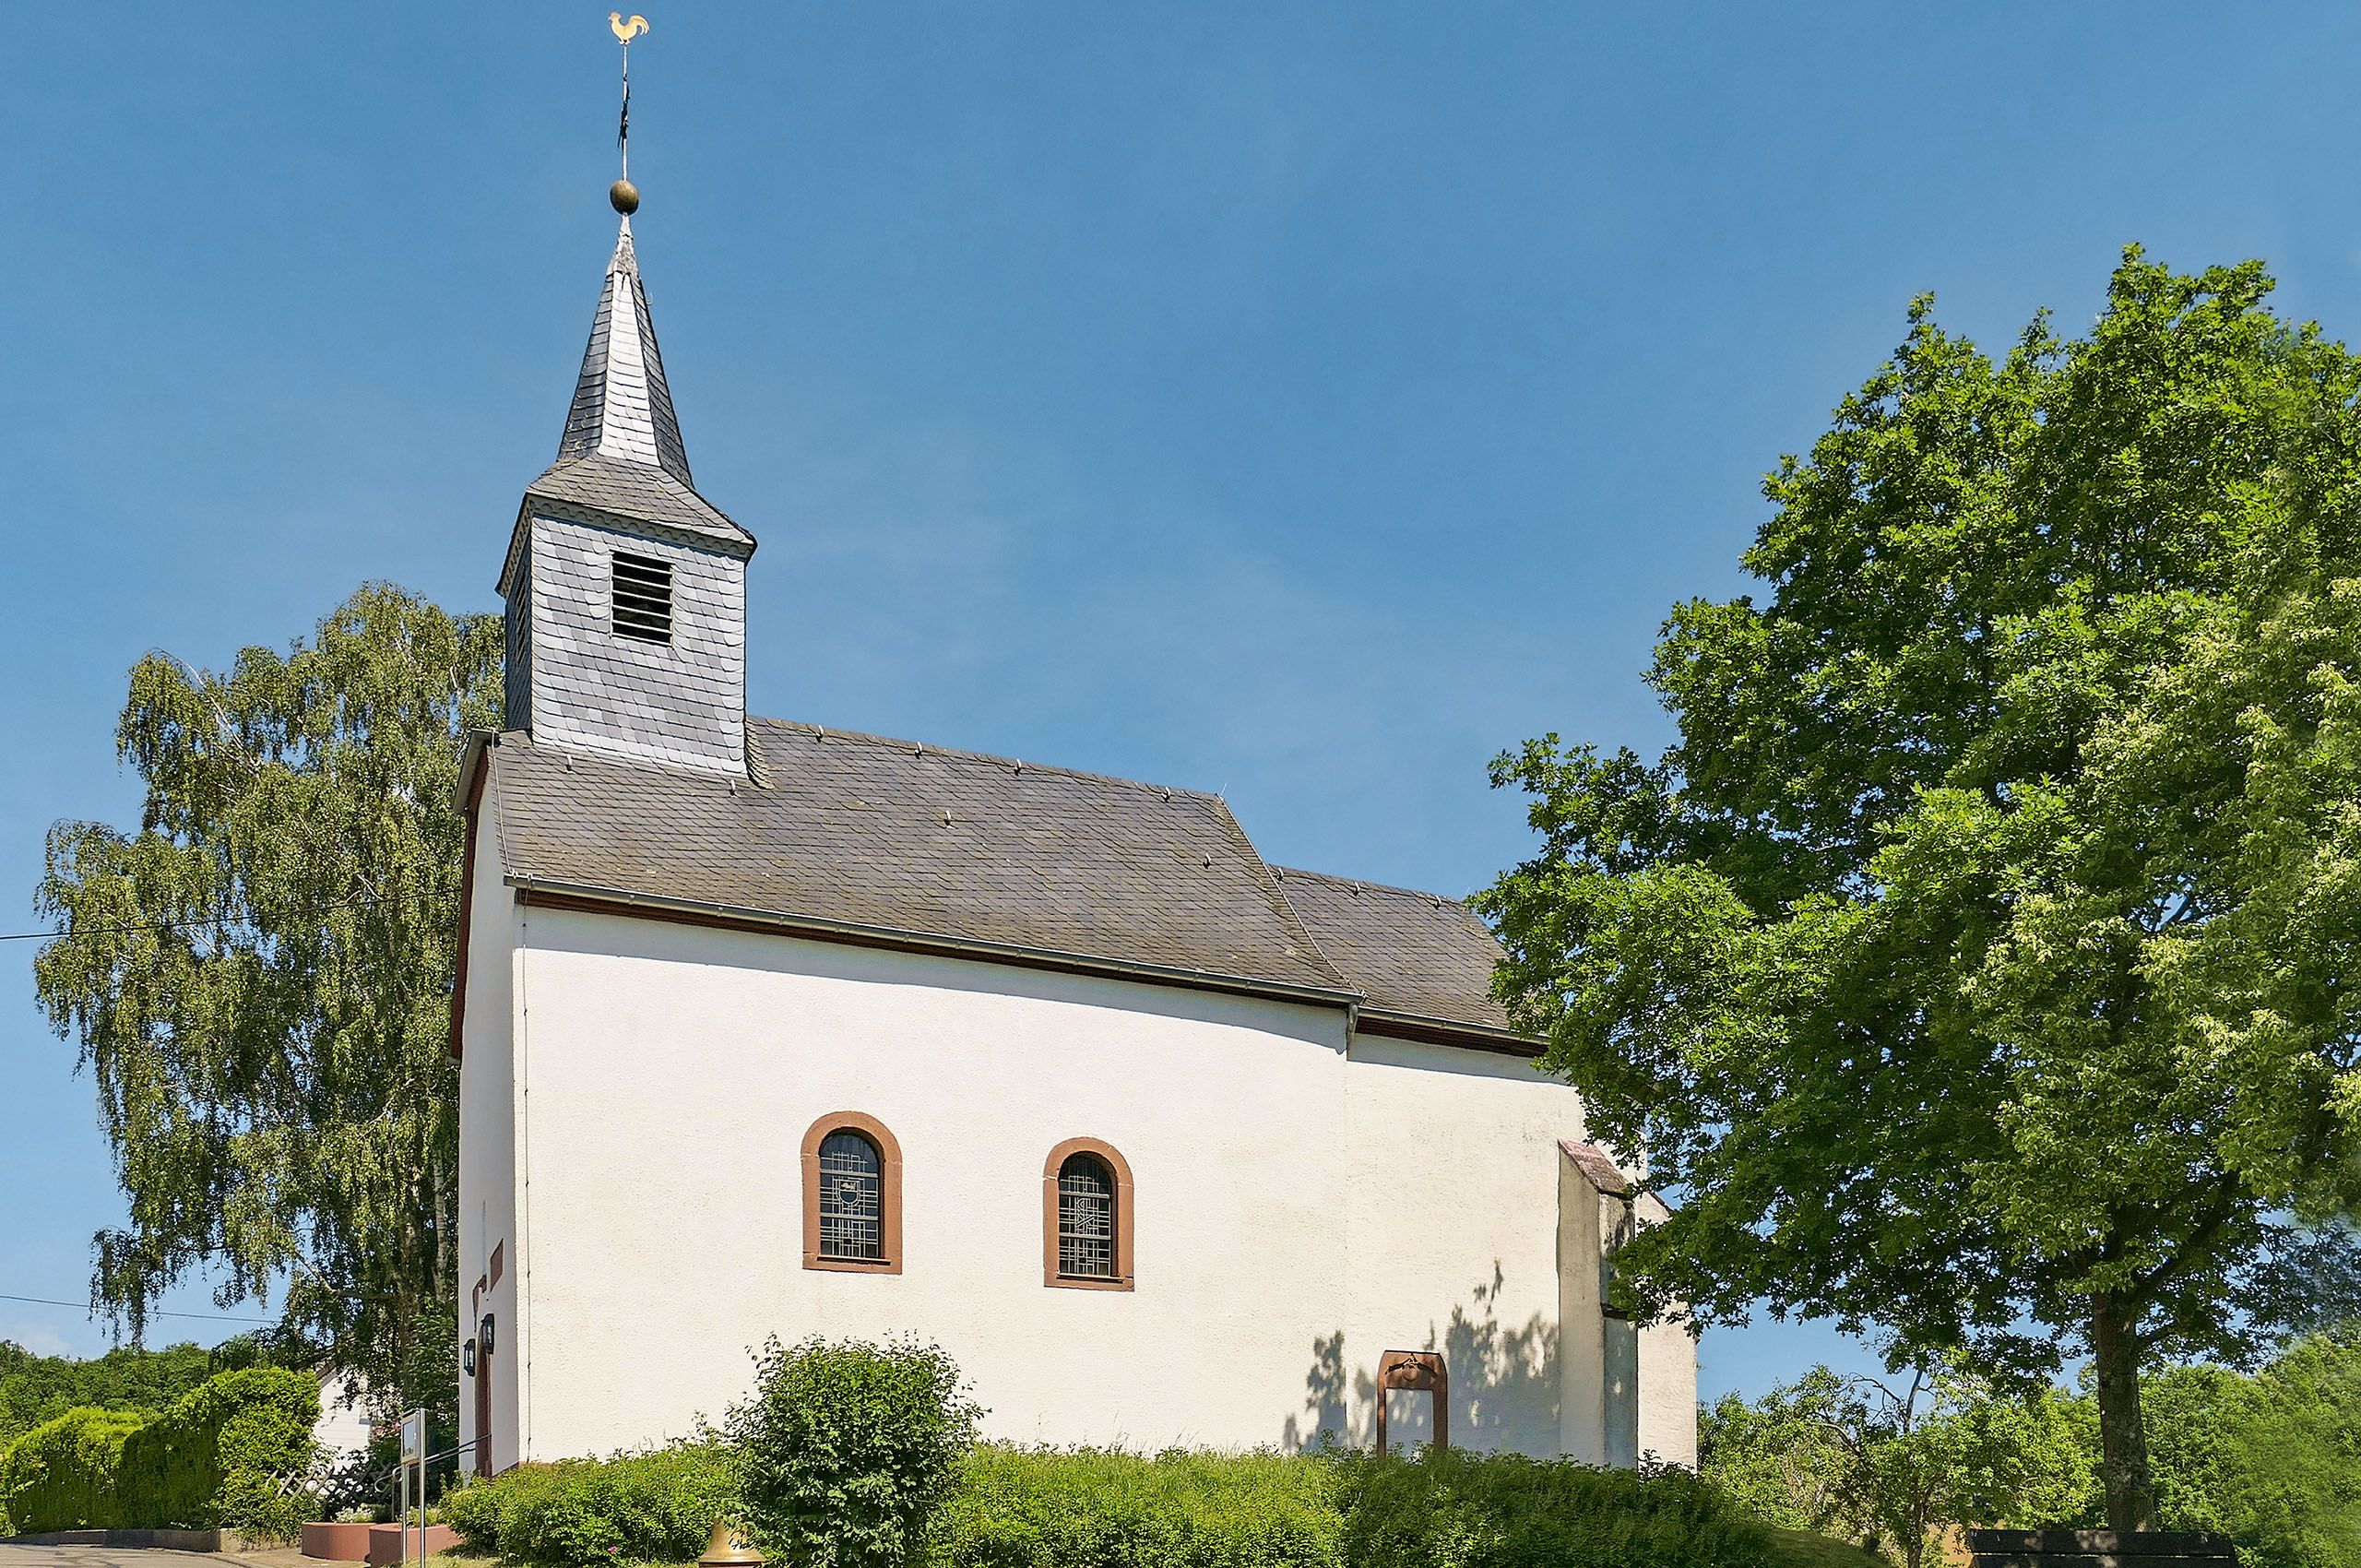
(851, 1198)
(1086, 1218)
(643, 590)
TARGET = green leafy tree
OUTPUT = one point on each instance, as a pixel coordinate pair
(259, 980)
(1895, 1467)
(2272, 1460)
(1978, 965)
(34, 1389)
(1780, 1456)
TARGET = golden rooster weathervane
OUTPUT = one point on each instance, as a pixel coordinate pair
(626, 196)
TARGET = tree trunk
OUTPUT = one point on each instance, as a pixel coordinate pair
(2123, 1436)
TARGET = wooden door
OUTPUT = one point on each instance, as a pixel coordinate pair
(483, 1408)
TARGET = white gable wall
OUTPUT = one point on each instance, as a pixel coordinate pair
(489, 1212)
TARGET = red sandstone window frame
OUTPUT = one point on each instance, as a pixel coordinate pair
(1122, 1168)
(889, 1194)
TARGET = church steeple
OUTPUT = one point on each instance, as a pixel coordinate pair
(625, 588)
(621, 405)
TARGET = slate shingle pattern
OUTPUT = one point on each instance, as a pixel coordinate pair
(678, 702)
(635, 489)
(1408, 952)
(897, 837)
(623, 405)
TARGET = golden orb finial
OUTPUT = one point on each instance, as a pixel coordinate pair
(625, 196)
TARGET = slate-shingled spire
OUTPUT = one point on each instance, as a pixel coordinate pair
(626, 590)
(622, 407)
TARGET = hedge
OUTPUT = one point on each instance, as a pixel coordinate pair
(60, 1475)
(656, 1506)
(1506, 1511)
(1017, 1508)
(230, 1454)
(1039, 1508)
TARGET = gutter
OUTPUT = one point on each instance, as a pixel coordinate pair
(697, 911)
(1447, 1031)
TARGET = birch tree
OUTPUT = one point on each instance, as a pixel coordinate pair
(258, 980)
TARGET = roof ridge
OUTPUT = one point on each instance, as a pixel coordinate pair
(962, 754)
(1273, 884)
(1364, 881)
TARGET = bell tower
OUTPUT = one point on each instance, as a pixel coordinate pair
(625, 588)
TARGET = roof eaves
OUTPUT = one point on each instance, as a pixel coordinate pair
(540, 502)
(1436, 1030)
(472, 754)
(624, 901)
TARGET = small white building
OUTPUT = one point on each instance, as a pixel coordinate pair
(765, 1028)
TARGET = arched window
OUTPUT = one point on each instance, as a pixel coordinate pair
(1087, 1218)
(852, 1208)
(853, 1195)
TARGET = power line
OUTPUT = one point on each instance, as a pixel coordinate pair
(161, 925)
(209, 1317)
(357, 900)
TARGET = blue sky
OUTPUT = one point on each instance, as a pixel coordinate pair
(1300, 401)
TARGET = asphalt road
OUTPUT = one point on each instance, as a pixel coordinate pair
(131, 1557)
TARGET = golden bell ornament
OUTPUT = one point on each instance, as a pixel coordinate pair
(729, 1548)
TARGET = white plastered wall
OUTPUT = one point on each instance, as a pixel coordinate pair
(663, 1162)
(1668, 1376)
(487, 1153)
(1298, 1212)
(1453, 1217)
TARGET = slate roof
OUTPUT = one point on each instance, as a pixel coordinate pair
(634, 489)
(623, 405)
(1416, 954)
(893, 836)
(864, 834)
(622, 452)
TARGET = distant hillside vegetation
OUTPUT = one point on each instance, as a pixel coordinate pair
(34, 1388)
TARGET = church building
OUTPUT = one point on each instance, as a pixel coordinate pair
(768, 1028)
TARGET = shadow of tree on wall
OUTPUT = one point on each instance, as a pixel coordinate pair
(1504, 1383)
(1324, 1399)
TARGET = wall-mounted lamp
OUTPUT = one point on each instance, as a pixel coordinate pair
(483, 1332)
(468, 1358)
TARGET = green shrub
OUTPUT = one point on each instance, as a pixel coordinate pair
(60, 1475)
(1019, 1508)
(845, 1449)
(1458, 1510)
(657, 1508)
(230, 1454)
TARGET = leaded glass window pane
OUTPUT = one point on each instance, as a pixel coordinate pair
(1086, 1218)
(851, 1197)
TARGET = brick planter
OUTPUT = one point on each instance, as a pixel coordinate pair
(377, 1545)
(386, 1542)
(2097, 1548)
(338, 1542)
